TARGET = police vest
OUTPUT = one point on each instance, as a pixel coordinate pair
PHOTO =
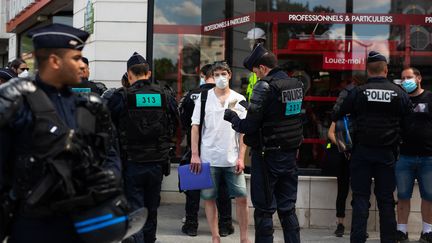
(282, 123)
(377, 114)
(144, 124)
(53, 167)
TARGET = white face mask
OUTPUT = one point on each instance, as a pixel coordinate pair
(221, 82)
(23, 74)
(202, 81)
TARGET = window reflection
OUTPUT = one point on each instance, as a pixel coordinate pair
(307, 50)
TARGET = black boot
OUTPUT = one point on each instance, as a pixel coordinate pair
(190, 227)
(226, 228)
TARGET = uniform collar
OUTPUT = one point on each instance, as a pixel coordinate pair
(377, 79)
(140, 83)
(49, 89)
(273, 71)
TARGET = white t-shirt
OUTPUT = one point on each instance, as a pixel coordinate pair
(219, 142)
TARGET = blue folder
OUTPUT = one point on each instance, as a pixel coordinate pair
(191, 181)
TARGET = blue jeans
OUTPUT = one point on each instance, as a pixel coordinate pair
(280, 170)
(142, 186)
(377, 163)
(409, 168)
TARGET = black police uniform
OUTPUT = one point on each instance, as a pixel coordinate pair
(223, 201)
(273, 129)
(33, 139)
(145, 116)
(376, 109)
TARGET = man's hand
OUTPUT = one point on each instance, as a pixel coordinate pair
(240, 166)
(195, 165)
(230, 115)
(102, 180)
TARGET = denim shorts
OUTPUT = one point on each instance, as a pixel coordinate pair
(235, 183)
(409, 168)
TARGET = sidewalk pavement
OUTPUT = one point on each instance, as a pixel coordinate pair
(169, 230)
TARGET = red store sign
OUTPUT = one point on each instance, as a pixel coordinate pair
(343, 61)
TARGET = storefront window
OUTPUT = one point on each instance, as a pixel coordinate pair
(324, 43)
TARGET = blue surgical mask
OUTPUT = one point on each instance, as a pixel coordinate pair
(202, 81)
(409, 85)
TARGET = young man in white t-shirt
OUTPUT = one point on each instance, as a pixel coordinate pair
(223, 148)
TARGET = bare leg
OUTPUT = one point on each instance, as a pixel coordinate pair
(212, 219)
(403, 210)
(340, 220)
(243, 218)
(426, 211)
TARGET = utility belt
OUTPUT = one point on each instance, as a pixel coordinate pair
(160, 154)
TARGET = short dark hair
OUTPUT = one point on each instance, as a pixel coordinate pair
(43, 54)
(140, 69)
(415, 71)
(16, 63)
(220, 65)
(206, 70)
(376, 68)
(269, 60)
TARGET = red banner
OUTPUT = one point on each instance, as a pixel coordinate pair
(344, 18)
(343, 61)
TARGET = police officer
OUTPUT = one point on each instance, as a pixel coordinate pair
(52, 158)
(273, 129)
(145, 116)
(86, 85)
(376, 108)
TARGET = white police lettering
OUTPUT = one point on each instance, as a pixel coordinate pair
(379, 95)
(292, 94)
(421, 107)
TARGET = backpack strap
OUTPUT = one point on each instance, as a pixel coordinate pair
(41, 106)
(204, 94)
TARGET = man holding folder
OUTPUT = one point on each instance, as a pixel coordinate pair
(223, 148)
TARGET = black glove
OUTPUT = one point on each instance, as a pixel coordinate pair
(245, 104)
(11, 97)
(230, 115)
(103, 181)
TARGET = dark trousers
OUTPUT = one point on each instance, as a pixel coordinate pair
(223, 202)
(343, 182)
(280, 171)
(377, 163)
(142, 186)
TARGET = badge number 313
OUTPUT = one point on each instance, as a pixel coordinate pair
(148, 100)
(293, 107)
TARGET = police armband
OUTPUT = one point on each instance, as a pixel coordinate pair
(259, 95)
(11, 94)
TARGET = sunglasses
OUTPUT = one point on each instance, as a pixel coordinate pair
(22, 69)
